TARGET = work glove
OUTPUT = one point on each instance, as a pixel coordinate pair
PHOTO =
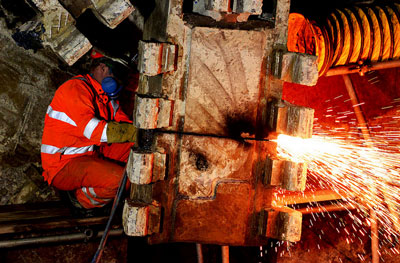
(121, 132)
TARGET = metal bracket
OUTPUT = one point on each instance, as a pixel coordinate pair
(152, 113)
(289, 119)
(294, 67)
(139, 219)
(145, 168)
(281, 223)
(156, 58)
(285, 174)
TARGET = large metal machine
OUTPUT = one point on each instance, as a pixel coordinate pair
(211, 78)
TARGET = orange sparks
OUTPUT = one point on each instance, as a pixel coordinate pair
(367, 177)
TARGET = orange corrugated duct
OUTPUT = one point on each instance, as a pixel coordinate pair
(349, 35)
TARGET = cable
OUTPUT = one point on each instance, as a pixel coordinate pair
(99, 252)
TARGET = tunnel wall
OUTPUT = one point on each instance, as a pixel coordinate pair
(28, 81)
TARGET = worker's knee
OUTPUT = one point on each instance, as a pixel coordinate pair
(115, 175)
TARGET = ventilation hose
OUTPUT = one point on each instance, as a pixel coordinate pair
(352, 35)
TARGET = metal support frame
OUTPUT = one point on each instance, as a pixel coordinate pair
(362, 69)
(225, 254)
(366, 135)
(87, 234)
(199, 251)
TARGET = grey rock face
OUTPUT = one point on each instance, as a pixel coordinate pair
(27, 84)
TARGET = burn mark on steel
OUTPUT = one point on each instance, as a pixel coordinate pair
(200, 161)
(236, 125)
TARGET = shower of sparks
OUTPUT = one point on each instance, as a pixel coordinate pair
(366, 176)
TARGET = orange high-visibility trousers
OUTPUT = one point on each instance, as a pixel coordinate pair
(94, 179)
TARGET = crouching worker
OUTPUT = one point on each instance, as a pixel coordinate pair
(86, 137)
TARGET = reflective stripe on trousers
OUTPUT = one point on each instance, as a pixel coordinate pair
(93, 198)
(95, 180)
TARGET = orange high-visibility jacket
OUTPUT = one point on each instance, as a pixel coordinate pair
(75, 122)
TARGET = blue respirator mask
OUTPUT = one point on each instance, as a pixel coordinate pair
(111, 87)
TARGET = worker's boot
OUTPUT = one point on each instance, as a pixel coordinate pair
(79, 210)
(76, 208)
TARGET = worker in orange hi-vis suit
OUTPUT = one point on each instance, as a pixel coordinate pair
(87, 138)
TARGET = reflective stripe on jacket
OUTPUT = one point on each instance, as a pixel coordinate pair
(75, 122)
